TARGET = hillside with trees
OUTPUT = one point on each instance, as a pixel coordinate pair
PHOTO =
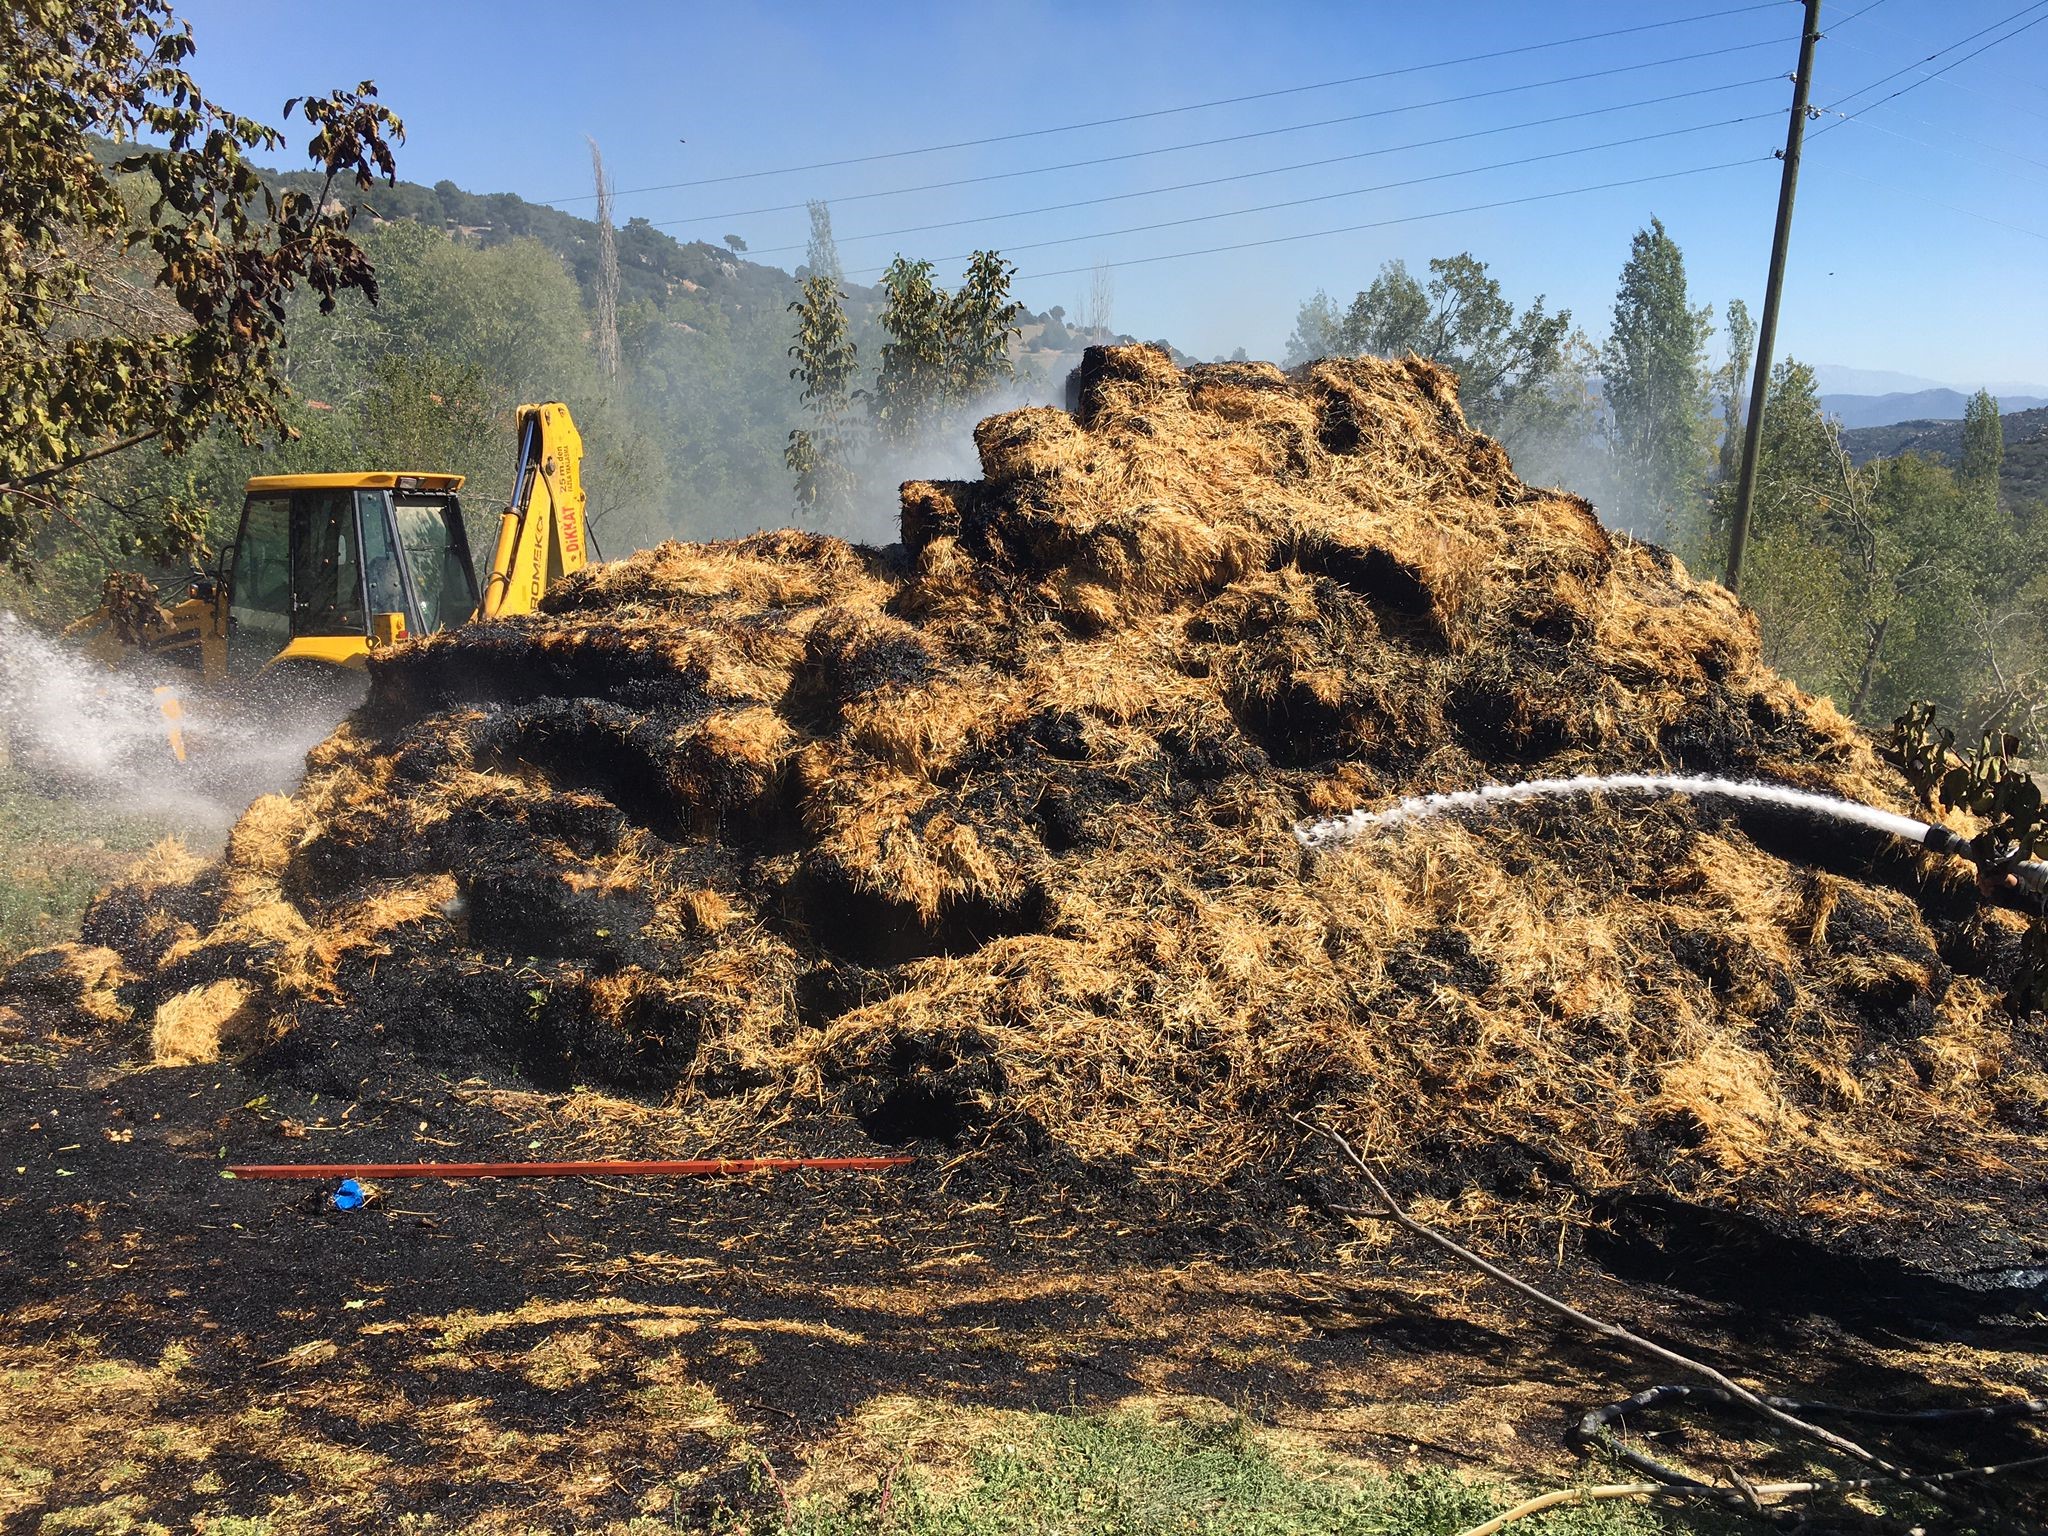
(2023, 476)
(484, 301)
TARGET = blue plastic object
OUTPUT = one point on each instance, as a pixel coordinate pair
(349, 1196)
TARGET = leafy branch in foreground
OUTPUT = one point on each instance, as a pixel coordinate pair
(146, 300)
(1993, 785)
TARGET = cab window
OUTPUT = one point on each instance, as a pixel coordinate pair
(437, 557)
(260, 602)
(380, 556)
(327, 571)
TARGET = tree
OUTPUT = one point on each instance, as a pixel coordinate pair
(980, 320)
(1392, 317)
(913, 384)
(1508, 365)
(125, 322)
(605, 291)
(739, 246)
(1983, 446)
(821, 255)
(1655, 367)
(826, 361)
(1731, 387)
(1318, 331)
(1101, 301)
(1894, 582)
(944, 350)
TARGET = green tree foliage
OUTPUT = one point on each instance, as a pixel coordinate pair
(1515, 378)
(148, 300)
(981, 320)
(914, 383)
(1983, 446)
(826, 362)
(1893, 582)
(1393, 315)
(944, 351)
(1318, 331)
(1655, 368)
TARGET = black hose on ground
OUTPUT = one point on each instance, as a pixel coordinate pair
(1595, 1431)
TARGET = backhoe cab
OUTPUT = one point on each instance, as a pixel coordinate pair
(326, 568)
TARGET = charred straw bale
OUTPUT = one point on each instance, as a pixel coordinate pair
(987, 838)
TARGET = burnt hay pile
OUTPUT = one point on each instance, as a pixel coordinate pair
(986, 837)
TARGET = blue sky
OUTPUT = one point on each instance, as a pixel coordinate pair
(1901, 257)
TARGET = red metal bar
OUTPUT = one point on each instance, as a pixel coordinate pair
(696, 1168)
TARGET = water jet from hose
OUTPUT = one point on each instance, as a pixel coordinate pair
(1319, 836)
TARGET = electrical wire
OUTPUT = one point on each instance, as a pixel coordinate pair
(1198, 106)
(1385, 186)
(1840, 101)
(1915, 85)
(1409, 218)
(1234, 138)
(1922, 197)
(1940, 149)
(1300, 165)
(1954, 85)
(1994, 74)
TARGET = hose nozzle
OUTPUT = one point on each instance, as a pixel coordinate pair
(2031, 874)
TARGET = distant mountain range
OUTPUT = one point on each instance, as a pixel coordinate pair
(1835, 379)
(1920, 405)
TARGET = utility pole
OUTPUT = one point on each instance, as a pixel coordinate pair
(1767, 329)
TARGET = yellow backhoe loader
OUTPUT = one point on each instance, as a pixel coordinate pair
(325, 569)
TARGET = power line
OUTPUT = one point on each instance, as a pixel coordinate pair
(1995, 74)
(1968, 213)
(1300, 165)
(1939, 149)
(1236, 138)
(1198, 106)
(1915, 85)
(1838, 102)
(1411, 218)
(1954, 85)
(1385, 186)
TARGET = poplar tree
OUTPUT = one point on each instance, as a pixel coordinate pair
(1983, 448)
(1657, 390)
(822, 253)
(1731, 387)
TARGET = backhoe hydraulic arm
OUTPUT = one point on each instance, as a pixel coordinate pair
(541, 536)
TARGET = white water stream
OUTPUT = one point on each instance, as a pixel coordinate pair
(1338, 830)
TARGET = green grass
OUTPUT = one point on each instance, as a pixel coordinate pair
(55, 854)
(1127, 1474)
